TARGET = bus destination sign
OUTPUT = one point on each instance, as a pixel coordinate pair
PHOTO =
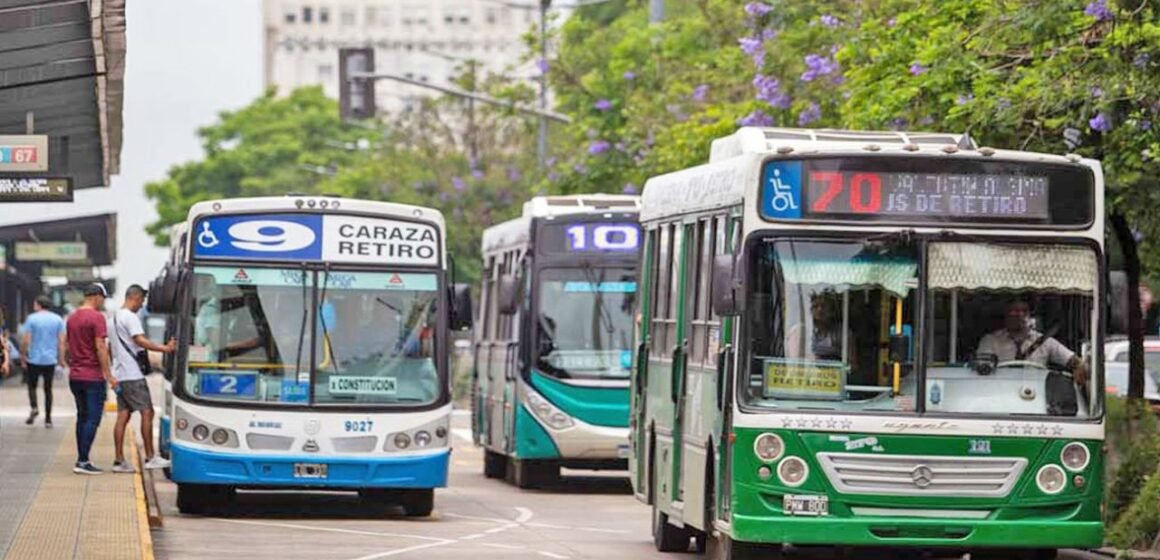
(36, 189)
(917, 190)
(927, 194)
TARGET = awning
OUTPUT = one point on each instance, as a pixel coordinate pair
(99, 232)
(988, 266)
(896, 276)
(63, 61)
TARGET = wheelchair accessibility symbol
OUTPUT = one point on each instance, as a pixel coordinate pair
(782, 194)
(207, 238)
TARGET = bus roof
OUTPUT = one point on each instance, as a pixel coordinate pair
(293, 203)
(517, 231)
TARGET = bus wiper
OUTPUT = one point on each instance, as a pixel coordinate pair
(325, 331)
(302, 327)
(388, 305)
(605, 316)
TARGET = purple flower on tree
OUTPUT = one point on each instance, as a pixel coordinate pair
(1141, 60)
(598, 147)
(756, 118)
(1099, 10)
(513, 174)
(964, 98)
(629, 189)
(477, 173)
(1100, 122)
(459, 184)
(1096, 91)
(818, 65)
(917, 69)
(898, 123)
(580, 168)
(602, 105)
(630, 75)
(542, 64)
(809, 114)
(757, 9)
(750, 45)
(830, 21)
(769, 91)
(699, 92)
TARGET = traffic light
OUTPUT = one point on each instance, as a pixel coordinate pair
(356, 97)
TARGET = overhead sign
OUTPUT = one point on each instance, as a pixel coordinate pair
(60, 251)
(72, 273)
(313, 237)
(24, 153)
(36, 189)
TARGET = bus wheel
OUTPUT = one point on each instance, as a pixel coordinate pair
(190, 499)
(168, 472)
(532, 474)
(721, 547)
(668, 537)
(494, 464)
(418, 503)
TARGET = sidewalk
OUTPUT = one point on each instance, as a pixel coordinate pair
(46, 511)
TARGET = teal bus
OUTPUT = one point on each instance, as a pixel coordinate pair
(553, 346)
(871, 339)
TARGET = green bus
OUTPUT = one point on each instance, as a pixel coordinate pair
(871, 339)
(553, 347)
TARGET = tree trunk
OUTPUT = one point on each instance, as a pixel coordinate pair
(1127, 241)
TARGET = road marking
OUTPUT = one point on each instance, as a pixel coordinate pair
(472, 537)
(525, 515)
(588, 529)
(462, 433)
(458, 412)
(551, 555)
(296, 526)
(503, 546)
(399, 551)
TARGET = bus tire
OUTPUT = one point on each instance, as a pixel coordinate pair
(168, 472)
(203, 499)
(527, 474)
(666, 536)
(418, 503)
(494, 464)
(190, 499)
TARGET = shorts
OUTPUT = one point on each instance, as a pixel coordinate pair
(133, 395)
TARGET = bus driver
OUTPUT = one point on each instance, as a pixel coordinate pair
(1016, 341)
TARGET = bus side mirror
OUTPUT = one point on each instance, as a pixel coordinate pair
(727, 276)
(509, 294)
(461, 307)
(163, 290)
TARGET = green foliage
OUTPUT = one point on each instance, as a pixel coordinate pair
(1139, 525)
(1135, 469)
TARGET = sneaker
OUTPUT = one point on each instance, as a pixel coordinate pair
(157, 462)
(86, 468)
(119, 467)
(32, 416)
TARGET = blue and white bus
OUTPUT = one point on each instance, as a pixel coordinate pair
(313, 350)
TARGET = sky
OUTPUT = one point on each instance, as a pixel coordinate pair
(186, 61)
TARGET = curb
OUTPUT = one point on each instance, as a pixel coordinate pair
(1115, 553)
(139, 490)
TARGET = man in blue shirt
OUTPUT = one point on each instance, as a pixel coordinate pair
(42, 348)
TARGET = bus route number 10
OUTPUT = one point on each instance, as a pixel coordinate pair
(589, 237)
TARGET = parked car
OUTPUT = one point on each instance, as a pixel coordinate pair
(1116, 369)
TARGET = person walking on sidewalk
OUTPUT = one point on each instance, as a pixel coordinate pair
(130, 364)
(41, 349)
(88, 362)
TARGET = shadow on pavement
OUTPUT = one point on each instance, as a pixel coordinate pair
(288, 505)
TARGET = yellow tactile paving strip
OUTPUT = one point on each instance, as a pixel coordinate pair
(82, 517)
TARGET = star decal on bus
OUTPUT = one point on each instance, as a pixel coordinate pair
(1042, 430)
(997, 427)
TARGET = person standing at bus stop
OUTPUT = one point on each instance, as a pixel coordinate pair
(129, 367)
(89, 370)
(41, 349)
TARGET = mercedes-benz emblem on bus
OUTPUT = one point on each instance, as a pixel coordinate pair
(312, 427)
(922, 476)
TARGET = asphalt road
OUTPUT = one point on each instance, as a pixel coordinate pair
(590, 516)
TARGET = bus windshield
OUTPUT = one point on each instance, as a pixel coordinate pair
(584, 327)
(818, 316)
(1006, 324)
(256, 333)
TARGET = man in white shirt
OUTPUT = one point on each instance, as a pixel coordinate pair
(127, 339)
(1017, 342)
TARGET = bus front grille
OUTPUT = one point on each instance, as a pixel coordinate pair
(268, 442)
(922, 475)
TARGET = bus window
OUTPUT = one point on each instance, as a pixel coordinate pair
(819, 313)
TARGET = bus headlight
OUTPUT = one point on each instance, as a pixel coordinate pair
(182, 424)
(1051, 479)
(422, 439)
(220, 436)
(548, 413)
(792, 471)
(200, 432)
(769, 447)
(402, 441)
(1075, 456)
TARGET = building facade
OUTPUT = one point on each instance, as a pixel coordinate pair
(425, 40)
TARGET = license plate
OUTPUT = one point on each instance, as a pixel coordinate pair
(309, 470)
(622, 451)
(806, 505)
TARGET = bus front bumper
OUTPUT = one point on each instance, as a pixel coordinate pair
(935, 533)
(200, 466)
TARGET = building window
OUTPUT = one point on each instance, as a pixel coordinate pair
(448, 19)
(307, 14)
(491, 16)
(348, 17)
(290, 16)
(464, 20)
(323, 15)
(370, 16)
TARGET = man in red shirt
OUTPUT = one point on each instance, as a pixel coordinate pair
(88, 360)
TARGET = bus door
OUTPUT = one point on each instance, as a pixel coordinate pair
(512, 363)
(638, 421)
